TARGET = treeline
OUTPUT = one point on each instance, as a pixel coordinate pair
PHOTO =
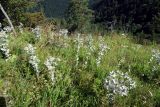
(136, 16)
(129, 15)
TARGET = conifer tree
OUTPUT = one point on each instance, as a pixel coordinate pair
(78, 15)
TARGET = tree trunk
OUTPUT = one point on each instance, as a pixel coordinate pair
(9, 21)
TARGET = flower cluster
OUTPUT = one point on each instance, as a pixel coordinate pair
(8, 29)
(79, 42)
(155, 56)
(51, 64)
(118, 82)
(63, 32)
(33, 60)
(103, 48)
(4, 44)
(37, 32)
(90, 43)
(90, 48)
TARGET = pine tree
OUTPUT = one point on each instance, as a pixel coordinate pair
(78, 15)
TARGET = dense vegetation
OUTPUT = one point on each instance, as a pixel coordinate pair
(129, 15)
(87, 57)
(138, 17)
(44, 69)
(15, 9)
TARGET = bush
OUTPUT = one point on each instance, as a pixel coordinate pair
(33, 19)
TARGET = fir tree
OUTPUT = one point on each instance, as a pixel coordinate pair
(78, 15)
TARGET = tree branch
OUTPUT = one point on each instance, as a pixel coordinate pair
(9, 21)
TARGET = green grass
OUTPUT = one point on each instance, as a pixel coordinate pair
(82, 85)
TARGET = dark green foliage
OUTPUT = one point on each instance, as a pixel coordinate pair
(128, 15)
(15, 9)
(78, 15)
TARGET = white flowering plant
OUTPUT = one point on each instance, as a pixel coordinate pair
(4, 44)
(37, 32)
(33, 59)
(103, 48)
(51, 64)
(119, 83)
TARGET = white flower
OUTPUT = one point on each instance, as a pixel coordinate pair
(118, 82)
(63, 32)
(4, 44)
(8, 29)
(51, 64)
(79, 42)
(155, 56)
(37, 32)
(102, 50)
(33, 60)
(30, 49)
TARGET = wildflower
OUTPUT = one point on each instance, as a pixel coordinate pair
(90, 43)
(123, 34)
(30, 49)
(79, 43)
(118, 82)
(51, 64)
(103, 48)
(37, 32)
(63, 32)
(155, 56)
(20, 27)
(90, 48)
(7, 29)
(4, 44)
(33, 60)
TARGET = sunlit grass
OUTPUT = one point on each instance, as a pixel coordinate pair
(81, 85)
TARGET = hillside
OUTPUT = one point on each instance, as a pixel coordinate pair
(46, 69)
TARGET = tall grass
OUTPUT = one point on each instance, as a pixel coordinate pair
(78, 80)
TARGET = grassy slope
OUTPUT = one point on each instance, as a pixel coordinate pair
(81, 85)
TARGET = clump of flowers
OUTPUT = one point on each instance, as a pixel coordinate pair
(155, 60)
(8, 29)
(102, 50)
(90, 48)
(37, 32)
(90, 43)
(63, 32)
(119, 83)
(155, 56)
(79, 42)
(33, 60)
(4, 44)
(51, 64)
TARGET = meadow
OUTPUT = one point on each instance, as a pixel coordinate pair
(42, 68)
